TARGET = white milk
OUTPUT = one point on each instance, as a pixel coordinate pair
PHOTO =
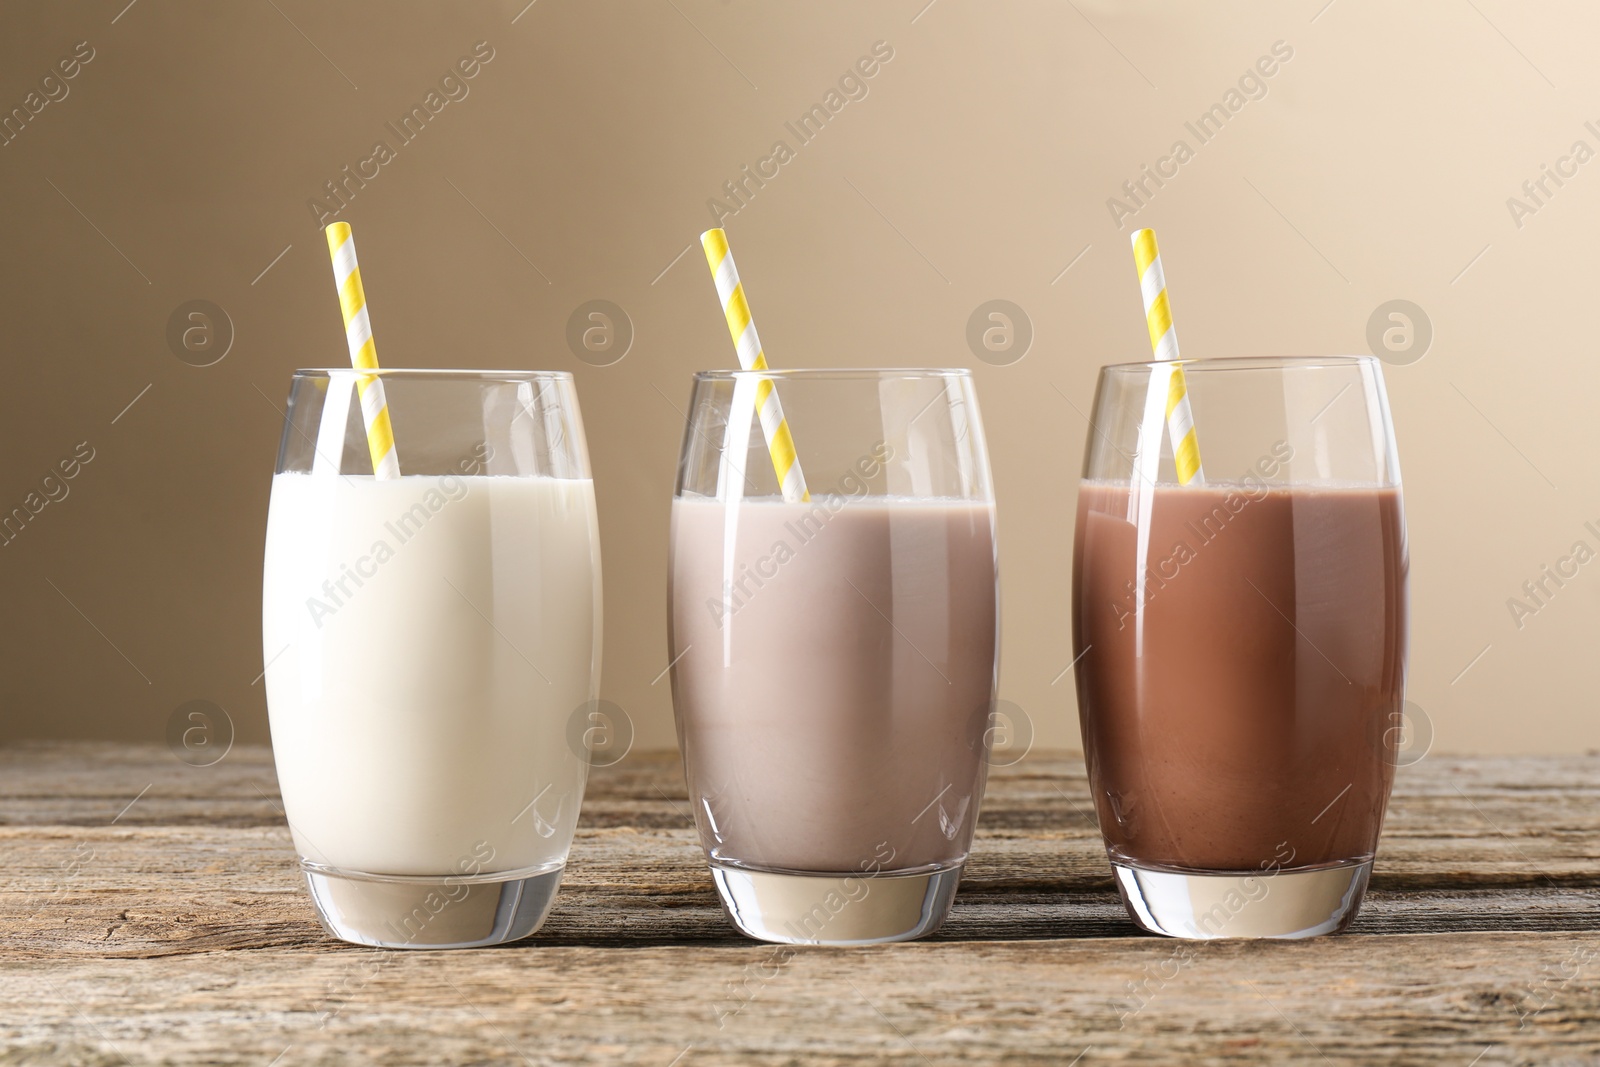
(429, 639)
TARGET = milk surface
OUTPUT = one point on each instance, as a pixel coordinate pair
(429, 639)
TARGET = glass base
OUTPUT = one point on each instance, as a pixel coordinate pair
(1284, 904)
(835, 909)
(457, 911)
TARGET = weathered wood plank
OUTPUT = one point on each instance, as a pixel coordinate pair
(1453, 822)
(176, 930)
(1459, 999)
(150, 892)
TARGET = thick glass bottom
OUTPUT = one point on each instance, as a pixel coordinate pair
(835, 909)
(456, 911)
(1205, 906)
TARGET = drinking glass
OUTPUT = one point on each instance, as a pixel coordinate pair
(835, 658)
(1242, 641)
(428, 640)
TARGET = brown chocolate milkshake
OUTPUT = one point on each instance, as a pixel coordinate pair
(1241, 669)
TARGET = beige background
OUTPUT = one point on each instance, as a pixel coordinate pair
(1377, 167)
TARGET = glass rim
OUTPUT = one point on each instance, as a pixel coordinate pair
(834, 373)
(1243, 363)
(437, 374)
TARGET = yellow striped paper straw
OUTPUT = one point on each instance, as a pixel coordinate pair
(743, 330)
(363, 354)
(1164, 342)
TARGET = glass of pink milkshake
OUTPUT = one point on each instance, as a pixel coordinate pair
(835, 646)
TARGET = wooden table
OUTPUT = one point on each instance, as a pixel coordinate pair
(151, 912)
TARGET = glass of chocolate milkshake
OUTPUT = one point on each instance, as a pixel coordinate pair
(1242, 641)
(834, 643)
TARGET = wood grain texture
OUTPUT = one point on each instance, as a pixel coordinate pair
(174, 928)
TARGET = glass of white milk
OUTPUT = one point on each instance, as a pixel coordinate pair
(433, 650)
